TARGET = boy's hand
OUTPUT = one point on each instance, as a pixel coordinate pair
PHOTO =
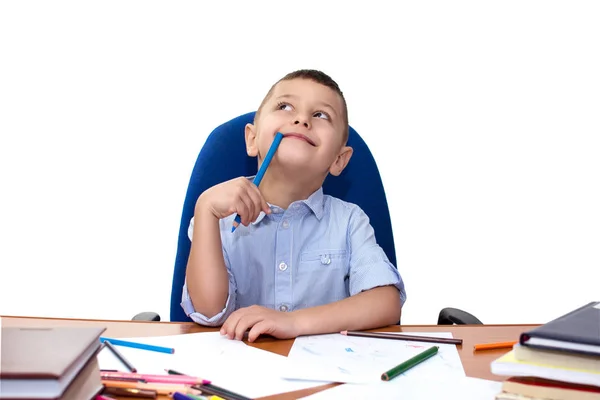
(261, 320)
(239, 196)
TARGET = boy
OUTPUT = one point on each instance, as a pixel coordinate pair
(301, 262)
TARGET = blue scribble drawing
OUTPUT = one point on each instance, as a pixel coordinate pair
(344, 371)
(309, 350)
(357, 359)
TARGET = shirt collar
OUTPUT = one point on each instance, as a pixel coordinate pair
(315, 202)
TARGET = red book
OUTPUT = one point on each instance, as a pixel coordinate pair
(550, 389)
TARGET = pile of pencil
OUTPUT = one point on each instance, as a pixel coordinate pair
(174, 384)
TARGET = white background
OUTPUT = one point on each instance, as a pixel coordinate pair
(483, 117)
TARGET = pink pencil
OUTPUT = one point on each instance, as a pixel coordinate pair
(177, 379)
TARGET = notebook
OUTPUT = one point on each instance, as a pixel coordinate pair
(86, 385)
(508, 365)
(557, 358)
(40, 363)
(575, 332)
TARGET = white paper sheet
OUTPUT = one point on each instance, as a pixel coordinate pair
(340, 358)
(227, 363)
(415, 389)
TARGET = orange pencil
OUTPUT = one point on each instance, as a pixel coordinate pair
(494, 346)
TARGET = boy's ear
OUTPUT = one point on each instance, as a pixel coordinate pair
(341, 161)
(251, 144)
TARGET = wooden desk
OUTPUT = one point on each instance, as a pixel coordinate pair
(475, 364)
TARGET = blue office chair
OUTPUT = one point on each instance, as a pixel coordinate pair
(359, 183)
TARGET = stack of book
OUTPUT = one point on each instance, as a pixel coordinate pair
(49, 363)
(559, 360)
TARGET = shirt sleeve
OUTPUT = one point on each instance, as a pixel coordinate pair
(188, 307)
(369, 265)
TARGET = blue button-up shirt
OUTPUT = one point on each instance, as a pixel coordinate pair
(318, 251)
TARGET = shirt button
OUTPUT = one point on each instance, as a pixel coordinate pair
(285, 224)
(283, 308)
(282, 266)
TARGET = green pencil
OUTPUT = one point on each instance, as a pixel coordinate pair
(408, 364)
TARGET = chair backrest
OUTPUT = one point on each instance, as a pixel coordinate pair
(224, 157)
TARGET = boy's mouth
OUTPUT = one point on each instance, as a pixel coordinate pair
(300, 136)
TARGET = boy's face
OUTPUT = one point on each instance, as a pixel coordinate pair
(311, 118)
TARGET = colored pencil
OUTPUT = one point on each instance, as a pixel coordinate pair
(115, 378)
(181, 396)
(196, 397)
(100, 397)
(220, 392)
(382, 335)
(494, 346)
(120, 356)
(141, 346)
(410, 363)
(160, 389)
(125, 392)
(178, 379)
(261, 171)
(173, 372)
(213, 389)
(199, 397)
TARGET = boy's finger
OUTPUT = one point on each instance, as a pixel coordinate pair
(261, 201)
(243, 324)
(265, 206)
(257, 202)
(229, 325)
(254, 207)
(258, 329)
(244, 209)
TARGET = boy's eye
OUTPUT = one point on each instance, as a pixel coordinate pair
(284, 106)
(321, 114)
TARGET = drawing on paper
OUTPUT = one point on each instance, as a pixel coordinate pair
(365, 359)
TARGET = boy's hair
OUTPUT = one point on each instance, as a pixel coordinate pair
(318, 77)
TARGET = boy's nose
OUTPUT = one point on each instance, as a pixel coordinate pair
(303, 123)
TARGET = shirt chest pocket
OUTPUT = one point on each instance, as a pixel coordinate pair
(326, 259)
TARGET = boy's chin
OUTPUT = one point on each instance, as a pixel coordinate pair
(290, 157)
(300, 166)
(298, 162)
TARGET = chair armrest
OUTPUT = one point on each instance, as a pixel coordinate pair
(451, 316)
(146, 316)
